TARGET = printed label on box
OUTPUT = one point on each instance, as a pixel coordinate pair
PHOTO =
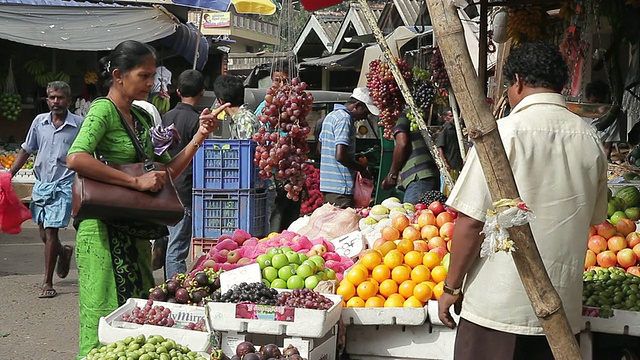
(265, 312)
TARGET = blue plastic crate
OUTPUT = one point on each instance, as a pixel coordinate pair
(226, 164)
(217, 212)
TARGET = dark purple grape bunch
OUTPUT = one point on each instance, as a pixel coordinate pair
(305, 298)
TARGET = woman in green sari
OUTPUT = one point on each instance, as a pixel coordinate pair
(114, 257)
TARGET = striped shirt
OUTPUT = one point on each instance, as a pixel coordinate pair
(337, 129)
(420, 164)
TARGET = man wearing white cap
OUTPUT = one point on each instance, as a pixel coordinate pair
(338, 147)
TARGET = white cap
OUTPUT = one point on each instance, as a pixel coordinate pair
(362, 94)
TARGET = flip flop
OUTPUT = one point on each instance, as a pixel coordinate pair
(48, 293)
(64, 262)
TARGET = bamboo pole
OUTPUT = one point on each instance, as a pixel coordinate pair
(404, 89)
(456, 120)
(482, 127)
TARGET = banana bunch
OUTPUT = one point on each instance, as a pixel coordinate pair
(34, 67)
(90, 77)
(527, 23)
(45, 78)
(161, 103)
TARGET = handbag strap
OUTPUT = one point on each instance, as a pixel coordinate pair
(148, 163)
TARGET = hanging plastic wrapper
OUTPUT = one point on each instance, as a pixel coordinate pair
(163, 138)
(496, 236)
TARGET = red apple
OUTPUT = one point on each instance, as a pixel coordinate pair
(223, 252)
(420, 245)
(606, 229)
(209, 264)
(426, 218)
(449, 245)
(616, 243)
(626, 226)
(319, 249)
(636, 250)
(635, 270)
(446, 231)
(633, 239)
(429, 231)
(233, 257)
(592, 230)
(626, 257)
(443, 218)
(420, 206)
(436, 242)
(606, 259)
(452, 212)
(589, 259)
(436, 207)
(442, 251)
(244, 261)
(597, 244)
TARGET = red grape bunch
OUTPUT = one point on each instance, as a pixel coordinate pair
(156, 315)
(440, 76)
(386, 92)
(282, 149)
(305, 298)
(197, 326)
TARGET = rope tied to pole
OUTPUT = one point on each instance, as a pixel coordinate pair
(479, 132)
(498, 221)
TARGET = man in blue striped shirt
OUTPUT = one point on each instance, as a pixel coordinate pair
(338, 147)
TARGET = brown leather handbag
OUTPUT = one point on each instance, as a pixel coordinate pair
(93, 199)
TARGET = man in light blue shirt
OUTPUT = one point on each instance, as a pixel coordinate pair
(338, 146)
(51, 135)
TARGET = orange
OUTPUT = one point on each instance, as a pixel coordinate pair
(355, 302)
(411, 233)
(374, 302)
(393, 258)
(371, 259)
(423, 292)
(359, 265)
(405, 245)
(438, 290)
(347, 290)
(431, 259)
(406, 288)
(420, 274)
(400, 221)
(381, 273)
(356, 276)
(386, 247)
(367, 290)
(390, 233)
(413, 258)
(412, 302)
(400, 274)
(395, 300)
(373, 281)
(439, 273)
(388, 288)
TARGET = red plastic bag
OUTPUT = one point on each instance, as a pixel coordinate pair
(362, 191)
(12, 212)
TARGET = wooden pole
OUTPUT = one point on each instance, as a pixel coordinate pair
(482, 127)
(196, 53)
(386, 53)
(456, 120)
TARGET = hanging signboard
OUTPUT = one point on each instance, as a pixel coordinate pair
(211, 19)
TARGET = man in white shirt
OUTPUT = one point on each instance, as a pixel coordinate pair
(560, 170)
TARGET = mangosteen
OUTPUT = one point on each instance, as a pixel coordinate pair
(198, 295)
(158, 294)
(216, 284)
(290, 350)
(202, 279)
(245, 347)
(270, 351)
(182, 295)
(251, 356)
(172, 286)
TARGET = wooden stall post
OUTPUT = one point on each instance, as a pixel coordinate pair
(482, 127)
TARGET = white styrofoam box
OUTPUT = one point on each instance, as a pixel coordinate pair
(623, 322)
(400, 342)
(321, 348)
(111, 328)
(25, 176)
(306, 322)
(432, 309)
(248, 273)
(384, 316)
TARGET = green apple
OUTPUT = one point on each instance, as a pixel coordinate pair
(304, 271)
(270, 273)
(286, 272)
(279, 284)
(330, 273)
(279, 260)
(322, 275)
(319, 260)
(285, 249)
(302, 257)
(295, 282)
(312, 265)
(293, 257)
(266, 282)
(311, 282)
(264, 260)
(274, 250)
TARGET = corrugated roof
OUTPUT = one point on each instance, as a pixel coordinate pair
(375, 8)
(408, 10)
(330, 25)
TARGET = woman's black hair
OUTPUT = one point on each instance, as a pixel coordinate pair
(126, 56)
(538, 65)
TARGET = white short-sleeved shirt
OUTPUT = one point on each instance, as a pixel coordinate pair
(560, 170)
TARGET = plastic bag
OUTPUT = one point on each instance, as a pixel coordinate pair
(330, 222)
(12, 212)
(362, 191)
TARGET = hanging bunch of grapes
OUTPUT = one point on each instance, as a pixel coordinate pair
(440, 76)
(423, 93)
(282, 149)
(385, 92)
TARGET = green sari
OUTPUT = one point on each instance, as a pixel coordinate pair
(113, 259)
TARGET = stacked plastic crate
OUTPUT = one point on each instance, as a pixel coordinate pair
(228, 194)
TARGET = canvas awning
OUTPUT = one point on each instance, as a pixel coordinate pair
(81, 26)
(351, 59)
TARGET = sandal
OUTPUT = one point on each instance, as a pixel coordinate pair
(48, 293)
(64, 261)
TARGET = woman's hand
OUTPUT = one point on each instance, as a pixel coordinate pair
(209, 120)
(152, 181)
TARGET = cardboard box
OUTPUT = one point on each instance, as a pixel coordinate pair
(111, 328)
